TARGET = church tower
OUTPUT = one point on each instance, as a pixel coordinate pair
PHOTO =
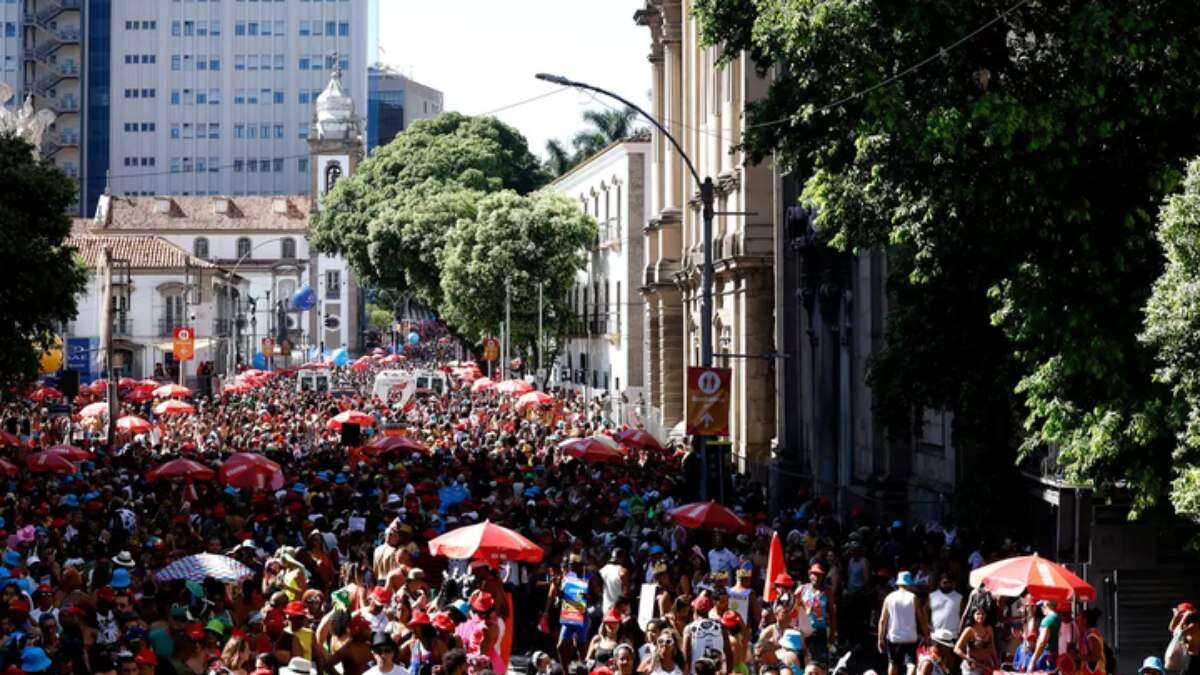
(335, 140)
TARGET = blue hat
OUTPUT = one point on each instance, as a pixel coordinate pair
(323, 475)
(656, 549)
(70, 500)
(90, 496)
(340, 479)
(1152, 663)
(2, 521)
(462, 607)
(626, 487)
(904, 578)
(34, 660)
(792, 640)
(230, 490)
(120, 578)
(136, 633)
(13, 559)
(897, 525)
(298, 487)
(5, 574)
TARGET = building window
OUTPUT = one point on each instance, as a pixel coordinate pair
(200, 248)
(243, 247)
(333, 285)
(287, 248)
(333, 172)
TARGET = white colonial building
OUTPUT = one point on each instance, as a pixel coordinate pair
(604, 352)
(256, 245)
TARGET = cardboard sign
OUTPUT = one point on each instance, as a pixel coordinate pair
(646, 604)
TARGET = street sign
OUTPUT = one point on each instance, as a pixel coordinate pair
(491, 349)
(708, 401)
(183, 344)
(268, 346)
(81, 353)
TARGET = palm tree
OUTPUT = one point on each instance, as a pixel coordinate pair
(612, 124)
(558, 159)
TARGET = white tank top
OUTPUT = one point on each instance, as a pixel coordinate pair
(902, 616)
(707, 635)
(613, 587)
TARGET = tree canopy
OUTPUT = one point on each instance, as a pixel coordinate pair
(1014, 177)
(521, 241)
(42, 274)
(390, 218)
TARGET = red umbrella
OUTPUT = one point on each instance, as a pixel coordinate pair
(97, 409)
(139, 396)
(1042, 579)
(177, 469)
(514, 387)
(8, 468)
(394, 358)
(236, 388)
(48, 462)
(172, 391)
(384, 444)
(251, 471)
(128, 383)
(147, 384)
(361, 365)
(132, 424)
(42, 393)
(485, 541)
(378, 351)
(71, 452)
(98, 387)
(533, 399)
(174, 407)
(7, 439)
(709, 515)
(637, 438)
(591, 450)
(350, 417)
(482, 384)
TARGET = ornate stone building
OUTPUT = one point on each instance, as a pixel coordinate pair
(702, 104)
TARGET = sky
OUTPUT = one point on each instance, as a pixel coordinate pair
(483, 54)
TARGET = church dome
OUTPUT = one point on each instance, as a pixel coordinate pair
(335, 110)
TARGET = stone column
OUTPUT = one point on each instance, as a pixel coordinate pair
(788, 465)
(671, 340)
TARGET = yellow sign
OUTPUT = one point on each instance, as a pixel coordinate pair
(491, 349)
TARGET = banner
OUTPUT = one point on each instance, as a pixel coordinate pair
(81, 353)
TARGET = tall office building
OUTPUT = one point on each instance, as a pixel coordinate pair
(394, 101)
(41, 45)
(217, 97)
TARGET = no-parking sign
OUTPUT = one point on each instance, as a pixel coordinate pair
(183, 346)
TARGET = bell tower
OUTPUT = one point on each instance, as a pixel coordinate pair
(335, 140)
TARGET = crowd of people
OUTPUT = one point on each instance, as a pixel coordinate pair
(341, 578)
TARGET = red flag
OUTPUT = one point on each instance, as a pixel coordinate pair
(775, 567)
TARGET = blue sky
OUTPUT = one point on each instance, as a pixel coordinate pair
(483, 54)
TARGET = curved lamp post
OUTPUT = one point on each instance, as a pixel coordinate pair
(705, 186)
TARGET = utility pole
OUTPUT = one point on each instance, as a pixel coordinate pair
(540, 345)
(187, 318)
(106, 342)
(507, 325)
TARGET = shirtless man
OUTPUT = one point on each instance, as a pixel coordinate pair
(1188, 619)
(355, 656)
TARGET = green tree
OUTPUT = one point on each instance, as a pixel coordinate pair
(390, 218)
(42, 274)
(1013, 178)
(605, 127)
(559, 160)
(521, 241)
(1172, 330)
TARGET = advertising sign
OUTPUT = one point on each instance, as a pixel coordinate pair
(183, 344)
(708, 401)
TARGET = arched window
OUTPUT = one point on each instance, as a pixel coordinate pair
(243, 247)
(200, 248)
(333, 171)
(288, 248)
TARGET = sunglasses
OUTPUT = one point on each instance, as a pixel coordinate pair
(666, 642)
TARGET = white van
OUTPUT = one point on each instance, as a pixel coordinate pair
(389, 383)
(431, 382)
(313, 379)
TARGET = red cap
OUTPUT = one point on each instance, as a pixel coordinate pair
(106, 593)
(274, 620)
(294, 608)
(419, 618)
(482, 601)
(731, 619)
(18, 605)
(359, 623)
(613, 616)
(702, 604)
(146, 657)
(816, 569)
(784, 579)
(381, 595)
(442, 621)
(602, 670)
(1185, 607)
(194, 631)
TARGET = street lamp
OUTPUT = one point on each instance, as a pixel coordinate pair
(705, 186)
